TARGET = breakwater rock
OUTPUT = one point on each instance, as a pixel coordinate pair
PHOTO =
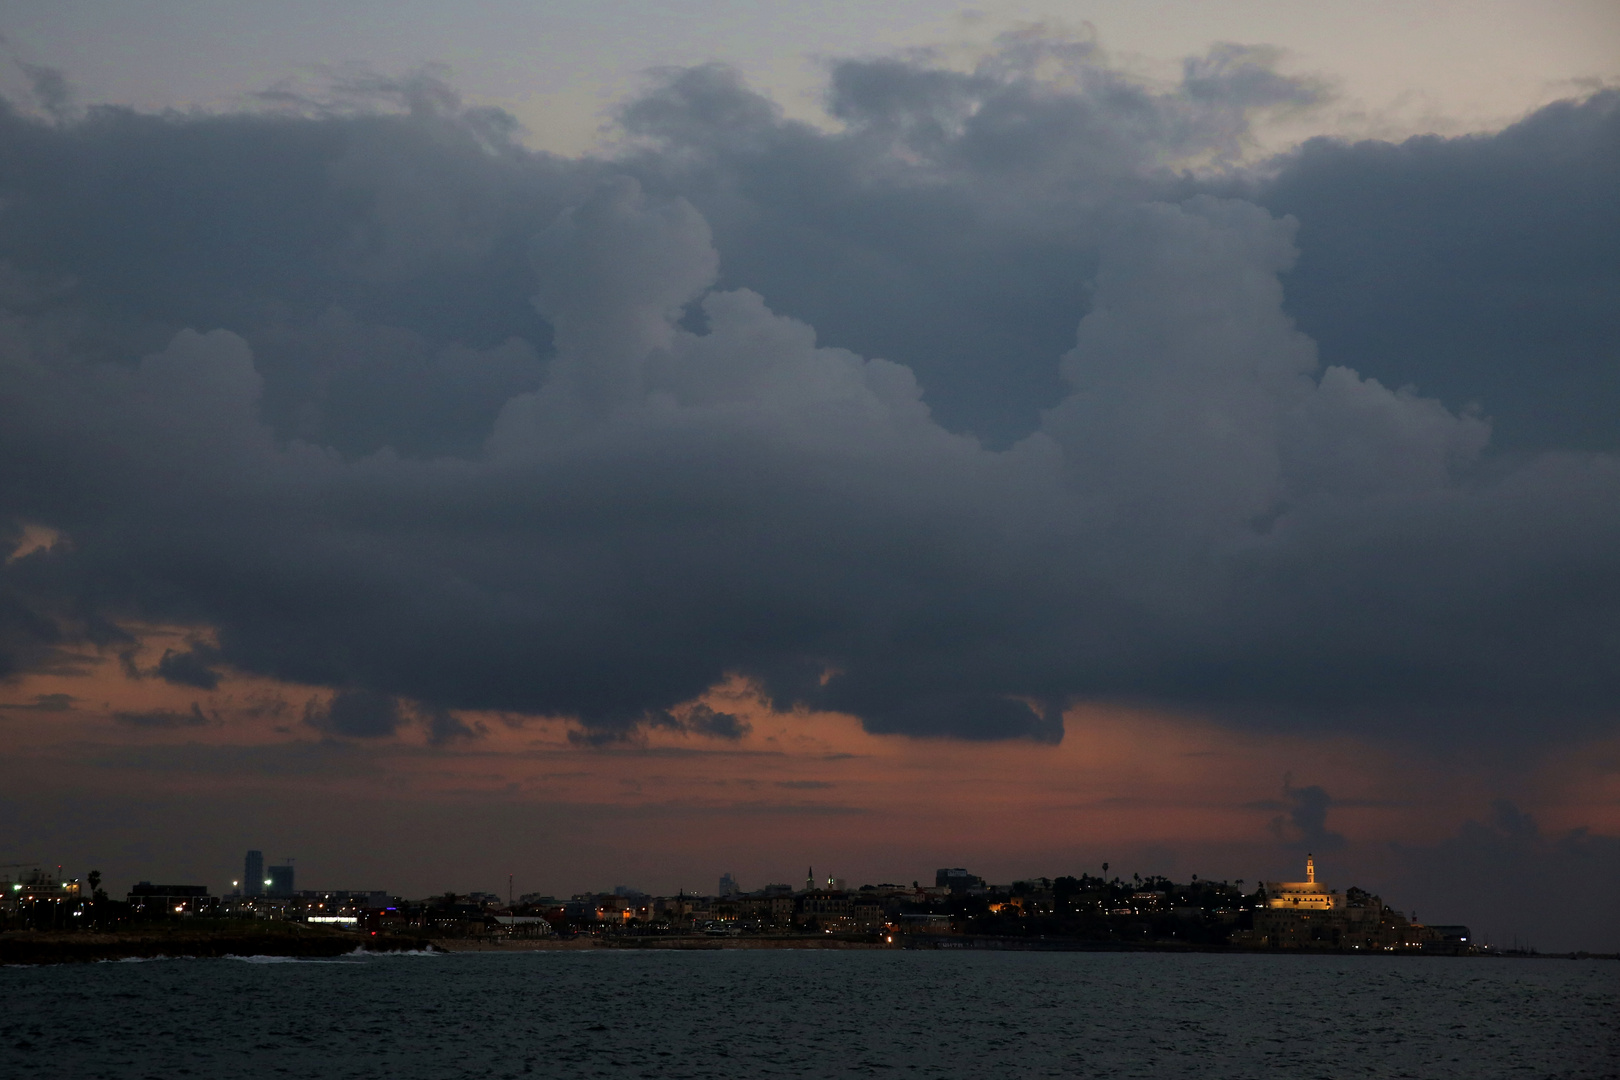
(273, 939)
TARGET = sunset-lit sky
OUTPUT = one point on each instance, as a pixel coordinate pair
(562, 66)
(621, 444)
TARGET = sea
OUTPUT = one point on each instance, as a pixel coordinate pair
(814, 1013)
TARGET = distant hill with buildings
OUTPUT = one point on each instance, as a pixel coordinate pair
(958, 909)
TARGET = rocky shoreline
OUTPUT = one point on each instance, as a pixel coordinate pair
(297, 940)
(690, 943)
(281, 939)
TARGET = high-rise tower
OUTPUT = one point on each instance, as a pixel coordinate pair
(253, 874)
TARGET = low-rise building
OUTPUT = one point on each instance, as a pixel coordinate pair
(525, 926)
(145, 898)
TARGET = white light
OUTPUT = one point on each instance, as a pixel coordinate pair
(267, 881)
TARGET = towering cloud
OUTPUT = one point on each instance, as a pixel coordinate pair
(987, 402)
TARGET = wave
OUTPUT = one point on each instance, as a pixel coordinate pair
(262, 959)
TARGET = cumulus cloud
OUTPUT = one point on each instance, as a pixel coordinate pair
(1482, 269)
(950, 225)
(405, 411)
(1305, 824)
(1493, 875)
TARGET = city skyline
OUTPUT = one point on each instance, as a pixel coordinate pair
(957, 909)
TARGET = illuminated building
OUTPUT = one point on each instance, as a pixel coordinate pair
(1307, 895)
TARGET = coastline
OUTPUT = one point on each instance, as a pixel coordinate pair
(34, 948)
(296, 940)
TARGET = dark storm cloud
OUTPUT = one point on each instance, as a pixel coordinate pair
(445, 727)
(363, 714)
(191, 667)
(702, 720)
(695, 719)
(393, 406)
(1493, 876)
(951, 225)
(378, 264)
(1481, 269)
(29, 639)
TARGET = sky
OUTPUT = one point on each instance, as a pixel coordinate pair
(562, 67)
(606, 444)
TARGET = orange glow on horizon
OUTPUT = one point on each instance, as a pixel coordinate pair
(795, 780)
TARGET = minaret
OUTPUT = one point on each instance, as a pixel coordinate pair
(809, 879)
(1310, 869)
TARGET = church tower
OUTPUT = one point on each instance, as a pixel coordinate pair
(1307, 895)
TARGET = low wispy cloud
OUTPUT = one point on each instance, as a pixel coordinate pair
(166, 718)
(43, 703)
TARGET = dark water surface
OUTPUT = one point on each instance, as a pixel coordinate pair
(814, 1013)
